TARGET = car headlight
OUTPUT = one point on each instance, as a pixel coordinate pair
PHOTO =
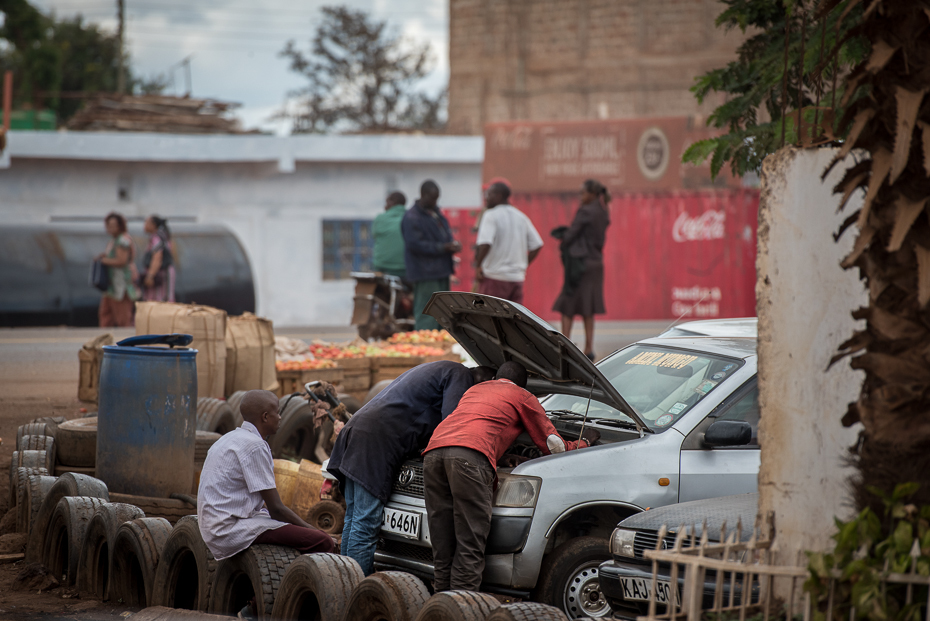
(516, 491)
(621, 542)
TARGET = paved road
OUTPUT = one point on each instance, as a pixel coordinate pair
(42, 362)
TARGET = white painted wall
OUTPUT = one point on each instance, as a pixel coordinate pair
(804, 301)
(237, 181)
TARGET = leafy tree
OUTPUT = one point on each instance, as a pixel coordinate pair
(754, 86)
(50, 56)
(361, 78)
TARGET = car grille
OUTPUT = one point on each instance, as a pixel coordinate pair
(406, 550)
(412, 474)
(646, 540)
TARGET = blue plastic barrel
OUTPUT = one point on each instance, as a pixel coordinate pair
(147, 415)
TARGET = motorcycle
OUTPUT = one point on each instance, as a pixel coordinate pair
(383, 305)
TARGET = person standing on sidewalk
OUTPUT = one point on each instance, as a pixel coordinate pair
(583, 258)
(389, 429)
(389, 239)
(158, 263)
(116, 303)
(460, 468)
(428, 251)
(507, 243)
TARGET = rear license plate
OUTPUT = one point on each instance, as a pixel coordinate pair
(403, 523)
(640, 589)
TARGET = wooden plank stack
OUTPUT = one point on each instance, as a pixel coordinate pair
(156, 113)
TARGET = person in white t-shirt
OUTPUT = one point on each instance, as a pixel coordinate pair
(507, 243)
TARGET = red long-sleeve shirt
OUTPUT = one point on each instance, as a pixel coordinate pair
(489, 418)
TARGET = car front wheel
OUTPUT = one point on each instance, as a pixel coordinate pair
(569, 578)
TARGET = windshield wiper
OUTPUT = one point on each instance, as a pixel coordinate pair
(560, 414)
(609, 422)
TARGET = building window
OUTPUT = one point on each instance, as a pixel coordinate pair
(347, 248)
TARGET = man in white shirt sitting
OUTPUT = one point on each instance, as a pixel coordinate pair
(237, 501)
(507, 243)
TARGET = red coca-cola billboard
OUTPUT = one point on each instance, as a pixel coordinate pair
(677, 246)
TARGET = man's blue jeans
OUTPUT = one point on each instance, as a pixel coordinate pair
(362, 525)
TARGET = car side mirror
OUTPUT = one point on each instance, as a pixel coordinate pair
(728, 433)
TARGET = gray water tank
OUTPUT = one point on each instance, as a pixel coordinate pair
(44, 271)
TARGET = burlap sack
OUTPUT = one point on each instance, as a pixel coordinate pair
(90, 357)
(208, 327)
(250, 354)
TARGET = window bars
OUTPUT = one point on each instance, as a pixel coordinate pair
(739, 578)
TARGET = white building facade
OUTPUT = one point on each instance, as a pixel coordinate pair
(274, 193)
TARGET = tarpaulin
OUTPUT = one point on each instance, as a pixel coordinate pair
(687, 254)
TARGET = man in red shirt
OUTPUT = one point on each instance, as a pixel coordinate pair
(460, 469)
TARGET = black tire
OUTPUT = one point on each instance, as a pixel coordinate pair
(316, 586)
(67, 484)
(51, 421)
(185, 570)
(296, 436)
(568, 578)
(458, 606)
(387, 596)
(202, 444)
(234, 401)
(76, 442)
(30, 429)
(527, 611)
(18, 483)
(65, 536)
(29, 494)
(40, 443)
(327, 515)
(214, 415)
(32, 460)
(96, 559)
(376, 389)
(352, 404)
(136, 551)
(161, 613)
(255, 572)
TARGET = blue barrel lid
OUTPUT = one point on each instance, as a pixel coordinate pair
(142, 344)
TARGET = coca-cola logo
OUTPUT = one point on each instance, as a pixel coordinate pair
(709, 225)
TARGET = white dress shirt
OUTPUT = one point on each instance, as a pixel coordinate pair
(230, 509)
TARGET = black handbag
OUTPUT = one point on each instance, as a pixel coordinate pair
(99, 275)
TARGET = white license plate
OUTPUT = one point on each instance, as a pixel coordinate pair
(640, 589)
(403, 523)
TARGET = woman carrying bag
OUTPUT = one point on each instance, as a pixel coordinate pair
(582, 247)
(158, 263)
(116, 303)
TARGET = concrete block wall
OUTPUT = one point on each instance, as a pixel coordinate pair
(580, 59)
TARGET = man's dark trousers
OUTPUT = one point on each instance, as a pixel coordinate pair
(458, 489)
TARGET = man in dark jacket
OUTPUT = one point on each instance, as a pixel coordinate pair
(428, 250)
(389, 429)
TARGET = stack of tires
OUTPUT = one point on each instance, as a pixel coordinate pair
(112, 551)
(35, 454)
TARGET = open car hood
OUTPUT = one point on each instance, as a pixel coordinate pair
(494, 331)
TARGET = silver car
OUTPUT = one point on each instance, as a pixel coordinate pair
(677, 418)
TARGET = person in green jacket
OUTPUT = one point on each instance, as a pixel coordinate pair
(389, 241)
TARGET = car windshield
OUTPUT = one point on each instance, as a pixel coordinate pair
(661, 383)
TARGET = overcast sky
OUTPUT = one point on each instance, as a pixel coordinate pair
(234, 44)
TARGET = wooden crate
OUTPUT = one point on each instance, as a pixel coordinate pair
(293, 381)
(356, 380)
(452, 357)
(392, 367)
